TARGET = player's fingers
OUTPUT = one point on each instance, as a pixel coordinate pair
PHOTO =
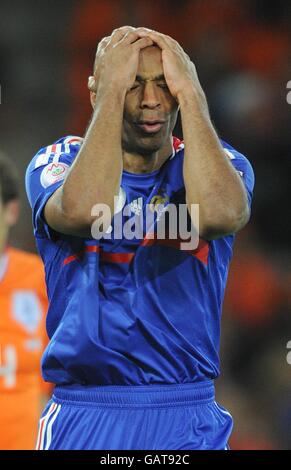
(118, 34)
(100, 49)
(171, 40)
(130, 37)
(164, 41)
(103, 43)
(158, 39)
(124, 29)
(143, 30)
(142, 43)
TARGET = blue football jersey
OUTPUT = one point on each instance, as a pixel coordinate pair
(130, 310)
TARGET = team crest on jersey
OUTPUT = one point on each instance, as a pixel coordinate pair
(157, 200)
(53, 173)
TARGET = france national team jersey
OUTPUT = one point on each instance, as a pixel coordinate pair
(130, 311)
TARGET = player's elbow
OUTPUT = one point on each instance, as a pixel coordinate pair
(230, 221)
(77, 221)
(66, 218)
(88, 223)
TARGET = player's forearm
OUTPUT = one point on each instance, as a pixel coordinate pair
(210, 179)
(95, 175)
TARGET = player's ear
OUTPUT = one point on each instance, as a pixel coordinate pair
(12, 212)
(92, 89)
(92, 83)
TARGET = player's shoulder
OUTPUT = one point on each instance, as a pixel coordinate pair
(241, 163)
(231, 152)
(28, 261)
(68, 145)
(62, 144)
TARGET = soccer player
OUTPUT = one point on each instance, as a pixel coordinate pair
(134, 323)
(23, 305)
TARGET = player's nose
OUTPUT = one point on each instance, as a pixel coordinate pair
(150, 96)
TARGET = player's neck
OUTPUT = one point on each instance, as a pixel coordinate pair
(136, 163)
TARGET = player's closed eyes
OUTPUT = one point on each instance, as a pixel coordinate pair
(164, 86)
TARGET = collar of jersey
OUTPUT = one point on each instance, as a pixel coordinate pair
(145, 179)
(141, 179)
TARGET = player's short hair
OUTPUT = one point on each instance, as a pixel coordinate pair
(9, 182)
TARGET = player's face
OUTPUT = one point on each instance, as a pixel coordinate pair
(150, 111)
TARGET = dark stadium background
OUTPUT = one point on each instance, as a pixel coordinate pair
(243, 56)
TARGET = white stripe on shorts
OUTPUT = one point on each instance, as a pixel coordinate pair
(49, 428)
(42, 426)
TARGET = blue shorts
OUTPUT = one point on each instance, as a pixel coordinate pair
(150, 417)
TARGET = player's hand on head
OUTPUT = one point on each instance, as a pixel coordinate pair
(117, 58)
(180, 72)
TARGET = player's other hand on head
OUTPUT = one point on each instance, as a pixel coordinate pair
(179, 70)
(117, 59)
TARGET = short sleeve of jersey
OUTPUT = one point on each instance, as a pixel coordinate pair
(243, 167)
(45, 174)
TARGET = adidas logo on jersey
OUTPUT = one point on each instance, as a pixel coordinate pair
(136, 206)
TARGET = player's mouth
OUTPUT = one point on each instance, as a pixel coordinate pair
(150, 127)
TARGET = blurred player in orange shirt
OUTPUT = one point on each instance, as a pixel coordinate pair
(23, 305)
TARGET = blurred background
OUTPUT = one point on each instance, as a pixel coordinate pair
(243, 56)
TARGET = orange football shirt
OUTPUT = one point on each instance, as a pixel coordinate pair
(23, 307)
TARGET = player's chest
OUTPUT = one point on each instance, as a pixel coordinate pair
(140, 212)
